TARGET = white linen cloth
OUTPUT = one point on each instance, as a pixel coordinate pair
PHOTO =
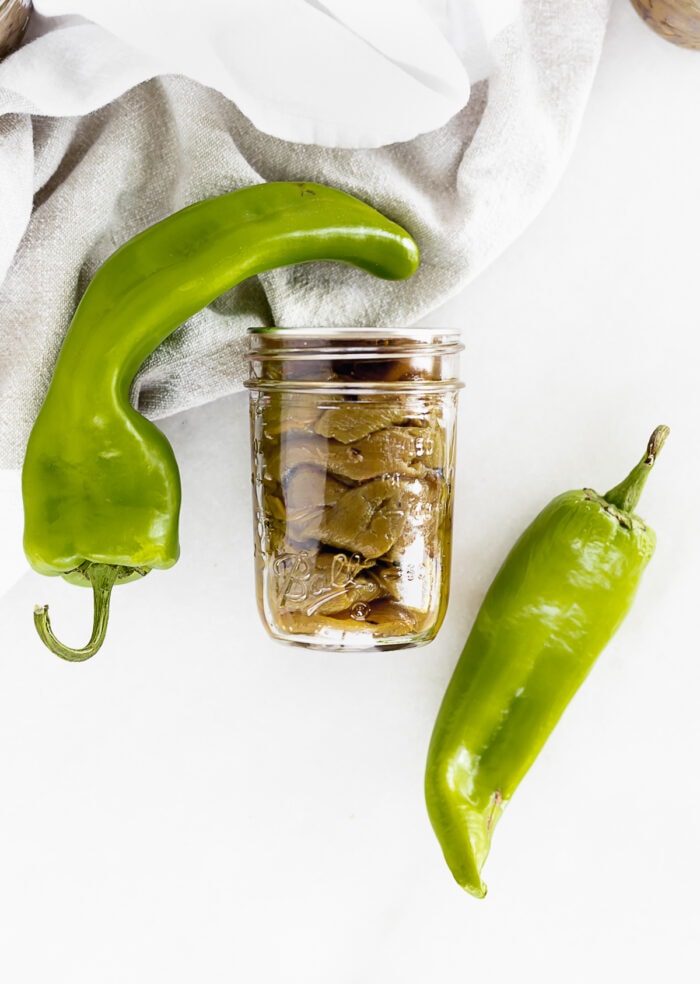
(455, 119)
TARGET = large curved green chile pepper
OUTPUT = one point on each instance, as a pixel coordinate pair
(560, 595)
(100, 483)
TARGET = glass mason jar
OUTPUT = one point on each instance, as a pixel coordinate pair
(353, 443)
(14, 17)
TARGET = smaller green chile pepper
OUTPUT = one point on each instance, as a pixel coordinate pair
(559, 597)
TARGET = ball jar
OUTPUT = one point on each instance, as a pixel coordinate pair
(353, 447)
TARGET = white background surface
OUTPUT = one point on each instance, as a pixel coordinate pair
(198, 803)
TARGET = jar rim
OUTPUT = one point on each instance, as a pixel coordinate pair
(413, 333)
(309, 344)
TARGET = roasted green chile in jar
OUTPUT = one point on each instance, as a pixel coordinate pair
(353, 459)
(560, 595)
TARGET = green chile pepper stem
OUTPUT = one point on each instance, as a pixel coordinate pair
(625, 496)
(100, 483)
(102, 577)
(561, 594)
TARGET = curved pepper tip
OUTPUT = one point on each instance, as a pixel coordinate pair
(479, 891)
(467, 873)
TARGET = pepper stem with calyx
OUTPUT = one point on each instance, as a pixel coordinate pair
(102, 578)
(625, 496)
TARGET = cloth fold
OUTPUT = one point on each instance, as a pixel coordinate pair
(76, 183)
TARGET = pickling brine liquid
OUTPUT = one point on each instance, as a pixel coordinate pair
(353, 471)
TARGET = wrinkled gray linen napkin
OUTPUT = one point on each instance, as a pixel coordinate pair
(72, 189)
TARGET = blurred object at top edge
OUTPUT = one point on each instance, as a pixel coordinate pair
(14, 17)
